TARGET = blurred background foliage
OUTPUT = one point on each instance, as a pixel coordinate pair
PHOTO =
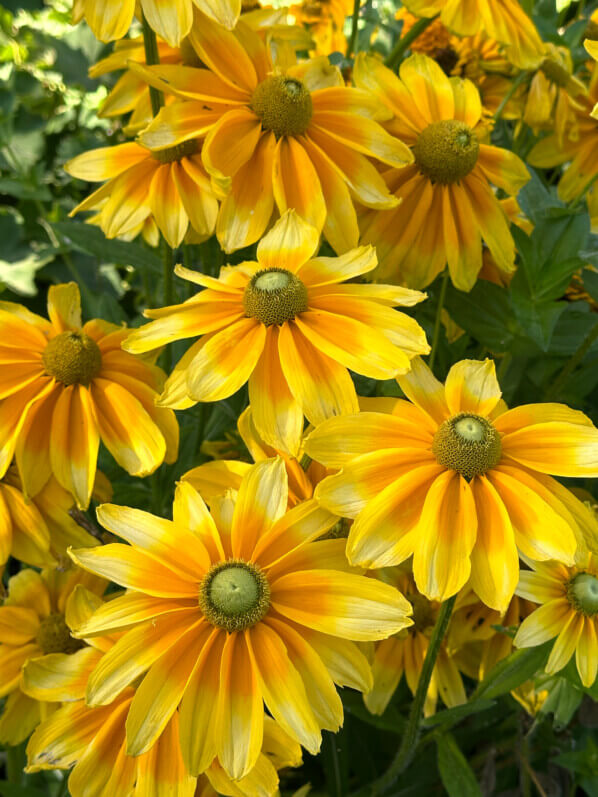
(542, 331)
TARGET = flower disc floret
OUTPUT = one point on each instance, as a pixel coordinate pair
(582, 593)
(555, 72)
(72, 358)
(274, 295)
(176, 153)
(234, 595)
(54, 635)
(468, 444)
(446, 151)
(283, 104)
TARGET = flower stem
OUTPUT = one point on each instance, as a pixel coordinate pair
(438, 320)
(168, 290)
(409, 741)
(405, 41)
(555, 388)
(15, 761)
(354, 29)
(512, 89)
(152, 57)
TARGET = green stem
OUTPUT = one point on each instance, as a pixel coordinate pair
(513, 88)
(438, 320)
(15, 761)
(354, 28)
(556, 386)
(410, 737)
(168, 291)
(152, 57)
(405, 41)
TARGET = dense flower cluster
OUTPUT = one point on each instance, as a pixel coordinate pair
(333, 540)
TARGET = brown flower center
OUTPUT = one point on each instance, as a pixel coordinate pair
(555, 72)
(176, 153)
(283, 104)
(274, 295)
(468, 444)
(446, 151)
(54, 635)
(234, 595)
(72, 358)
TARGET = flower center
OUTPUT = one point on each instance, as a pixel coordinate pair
(54, 636)
(468, 444)
(446, 151)
(582, 593)
(234, 595)
(274, 295)
(176, 153)
(283, 104)
(72, 358)
(424, 612)
(591, 31)
(555, 72)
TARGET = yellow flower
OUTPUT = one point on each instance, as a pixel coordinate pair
(290, 136)
(569, 612)
(325, 20)
(579, 152)
(448, 206)
(458, 481)
(289, 325)
(230, 610)
(170, 185)
(553, 101)
(434, 41)
(503, 20)
(64, 386)
(404, 653)
(171, 19)
(34, 632)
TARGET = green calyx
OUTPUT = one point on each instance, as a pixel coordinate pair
(234, 595)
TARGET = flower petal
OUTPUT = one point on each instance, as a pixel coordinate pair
(471, 386)
(261, 501)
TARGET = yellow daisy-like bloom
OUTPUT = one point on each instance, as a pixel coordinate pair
(171, 19)
(569, 612)
(34, 631)
(64, 387)
(458, 481)
(578, 152)
(404, 653)
(325, 20)
(290, 325)
(554, 94)
(170, 185)
(37, 531)
(433, 41)
(230, 610)
(293, 137)
(502, 20)
(448, 206)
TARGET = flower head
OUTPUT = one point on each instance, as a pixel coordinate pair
(65, 386)
(289, 325)
(458, 481)
(230, 610)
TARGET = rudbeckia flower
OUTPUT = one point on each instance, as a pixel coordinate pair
(171, 185)
(568, 611)
(64, 387)
(325, 20)
(503, 20)
(230, 610)
(448, 206)
(34, 631)
(288, 325)
(404, 654)
(172, 20)
(578, 151)
(457, 481)
(294, 137)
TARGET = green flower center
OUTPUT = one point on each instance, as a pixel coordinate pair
(234, 595)
(582, 593)
(555, 72)
(468, 444)
(274, 295)
(446, 151)
(283, 104)
(54, 635)
(176, 153)
(72, 358)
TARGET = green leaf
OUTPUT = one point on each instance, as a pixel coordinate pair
(90, 239)
(511, 672)
(13, 790)
(451, 716)
(20, 275)
(485, 312)
(456, 774)
(563, 701)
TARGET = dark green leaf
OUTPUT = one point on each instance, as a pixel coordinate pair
(514, 670)
(485, 312)
(457, 776)
(91, 239)
(451, 716)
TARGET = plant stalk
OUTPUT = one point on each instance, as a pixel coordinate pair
(354, 29)
(438, 320)
(152, 57)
